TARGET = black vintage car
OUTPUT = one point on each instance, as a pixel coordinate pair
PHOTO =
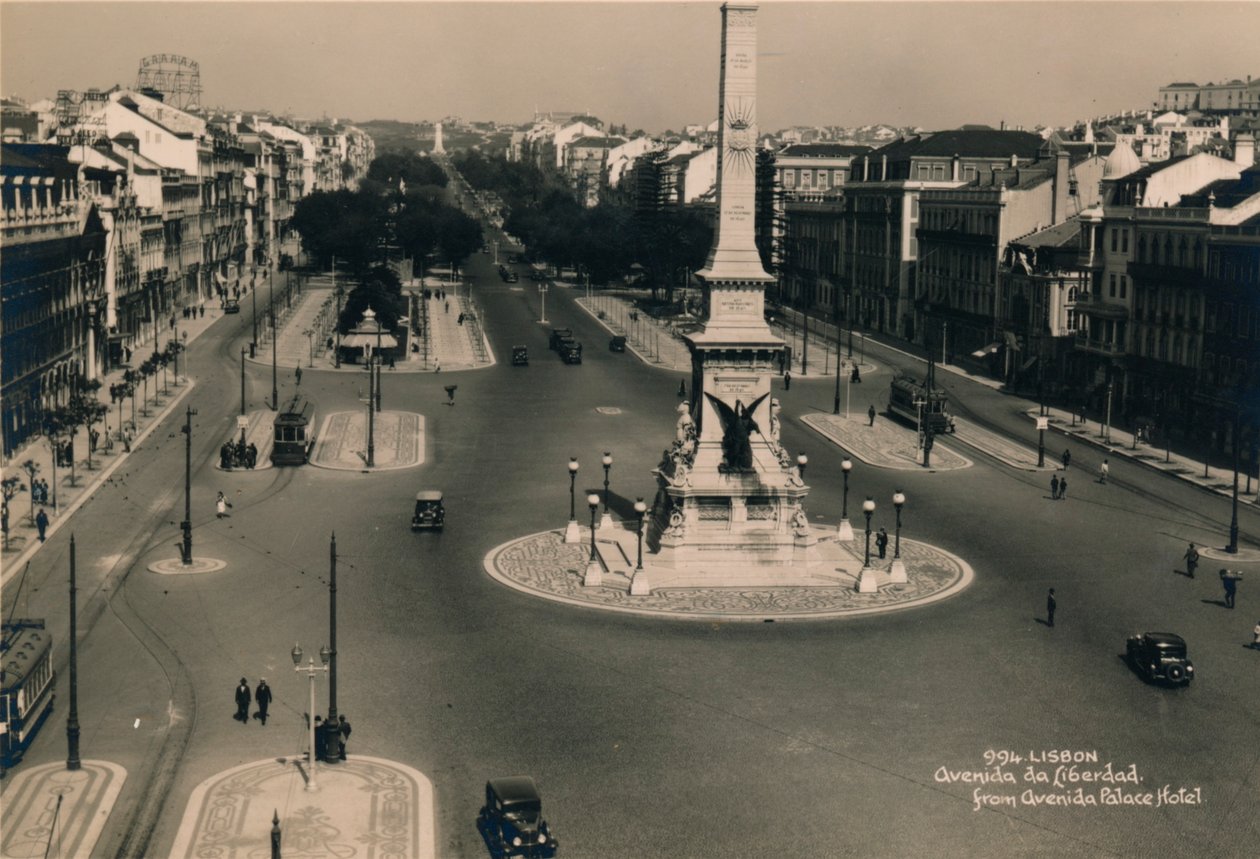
(231, 305)
(1160, 657)
(511, 821)
(617, 344)
(430, 512)
(570, 351)
(520, 356)
(558, 335)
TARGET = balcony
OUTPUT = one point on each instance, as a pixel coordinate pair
(1098, 346)
(1169, 275)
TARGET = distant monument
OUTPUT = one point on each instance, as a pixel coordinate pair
(730, 497)
(438, 149)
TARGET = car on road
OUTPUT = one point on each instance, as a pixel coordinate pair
(617, 344)
(511, 821)
(430, 513)
(570, 351)
(558, 335)
(1160, 657)
(231, 305)
(520, 356)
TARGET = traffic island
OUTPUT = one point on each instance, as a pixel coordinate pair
(176, 566)
(49, 805)
(545, 566)
(885, 444)
(397, 441)
(361, 806)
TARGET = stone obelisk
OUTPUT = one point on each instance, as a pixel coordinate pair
(730, 498)
(438, 148)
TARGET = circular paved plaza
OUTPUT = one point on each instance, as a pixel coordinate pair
(543, 565)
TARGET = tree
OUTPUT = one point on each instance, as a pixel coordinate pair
(31, 467)
(458, 235)
(85, 410)
(381, 290)
(349, 225)
(11, 486)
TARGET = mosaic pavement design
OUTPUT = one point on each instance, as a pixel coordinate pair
(543, 565)
(885, 445)
(365, 808)
(342, 440)
(30, 807)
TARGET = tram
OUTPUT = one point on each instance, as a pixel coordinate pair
(26, 685)
(908, 398)
(294, 429)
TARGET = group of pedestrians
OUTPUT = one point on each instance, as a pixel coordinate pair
(261, 696)
(237, 454)
(1058, 487)
(39, 491)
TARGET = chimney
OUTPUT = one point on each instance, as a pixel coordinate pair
(953, 168)
(1244, 150)
(1014, 159)
(866, 168)
(883, 168)
(1059, 206)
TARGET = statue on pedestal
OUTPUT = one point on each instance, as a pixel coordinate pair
(738, 426)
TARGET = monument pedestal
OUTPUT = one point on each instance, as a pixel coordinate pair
(845, 532)
(606, 522)
(572, 533)
(639, 585)
(897, 572)
(867, 581)
(594, 575)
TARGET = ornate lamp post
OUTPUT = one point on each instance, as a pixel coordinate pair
(311, 669)
(73, 761)
(310, 346)
(571, 534)
(640, 508)
(186, 525)
(801, 461)
(866, 579)
(835, 407)
(183, 336)
(594, 573)
(606, 520)
(898, 568)
(845, 532)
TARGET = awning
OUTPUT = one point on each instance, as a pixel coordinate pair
(991, 349)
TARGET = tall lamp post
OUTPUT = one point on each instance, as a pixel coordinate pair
(835, 407)
(331, 728)
(72, 720)
(898, 567)
(253, 297)
(845, 532)
(594, 573)
(271, 312)
(311, 669)
(1232, 548)
(866, 579)
(801, 461)
(183, 336)
(571, 533)
(186, 525)
(639, 584)
(606, 520)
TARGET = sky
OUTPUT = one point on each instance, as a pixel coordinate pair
(648, 65)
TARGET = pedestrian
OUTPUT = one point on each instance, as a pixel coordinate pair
(297, 374)
(343, 728)
(450, 394)
(1066, 458)
(856, 376)
(242, 702)
(203, 311)
(1229, 580)
(93, 438)
(41, 522)
(251, 455)
(1054, 487)
(1063, 488)
(1256, 636)
(881, 542)
(1103, 471)
(221, 505)
(787, 380)
(870, 415)
(1192, 560)
(225, 456)
(1051, 605)
(682, 387)
(262, 694)
(391, 360)
(447, 305)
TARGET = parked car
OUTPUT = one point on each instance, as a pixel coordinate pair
(617, 344)
(430, 512)
(511, 821)
(520, 356)
(571, 351)
(1160, 657)
(231, 305)
(512, 277)
(558, 335)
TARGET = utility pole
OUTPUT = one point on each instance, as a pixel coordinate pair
(371, 442)
(331, 728)
(275, 394)
(72, 721)
(186, 525)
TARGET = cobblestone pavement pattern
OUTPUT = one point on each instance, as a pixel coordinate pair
(886, 445)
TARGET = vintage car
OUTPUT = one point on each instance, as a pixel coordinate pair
(430, 512)
(1160, 656)
(558, 335)
(570, 351)
(231, 305)
(511, 821)
(617, 344)
(520, 356)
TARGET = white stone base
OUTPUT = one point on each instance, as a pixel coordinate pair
(594, 576)
(897, 572)
(639, 586)
(867, 583)
(606, 522)
(844, 533)
(572, 533)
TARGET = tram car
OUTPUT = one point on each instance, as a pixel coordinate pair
(294, 430)
(910, 400)
(26, 692)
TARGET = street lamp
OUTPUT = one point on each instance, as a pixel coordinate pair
(571, 534)
(898, 568)
(835, 407)
(183, 336)
(606, 520)
(845, 532)
(801, 461)
(310, 346)
(866, 578)
(73, 762)
(310, 668)
(186, 525)
(271, 312)
(594, 574)
(640, 508)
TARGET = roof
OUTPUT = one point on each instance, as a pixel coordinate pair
(1065, 234)
(964, 143)
(822, 150)
(514, 788)
(25, 158)
(597, 142)
(1181, 84)
(1226, 193)
(429, 495)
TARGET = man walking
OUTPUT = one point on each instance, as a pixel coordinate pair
(787, 380)
(262, 694)
(1063, 489)
(1066, 458)
(881, 542)
(1051, 605)
(221, 506)
(242, 702)
(870, 415)
(1054, 488)
(1103, 471)
(1192, 560)
(297, 374)
(41, 522)
(1229, 580)
(343, 728)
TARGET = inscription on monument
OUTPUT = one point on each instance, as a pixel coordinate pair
(736, 303)
(736, 386)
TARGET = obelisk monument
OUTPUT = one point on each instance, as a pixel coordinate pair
(730, 497)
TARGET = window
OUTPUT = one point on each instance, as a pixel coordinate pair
(1115, 235)
(938, 172)
(1124, 241)
(789, 178)
(1111, 286)
(822, 180)
(1124, 285)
